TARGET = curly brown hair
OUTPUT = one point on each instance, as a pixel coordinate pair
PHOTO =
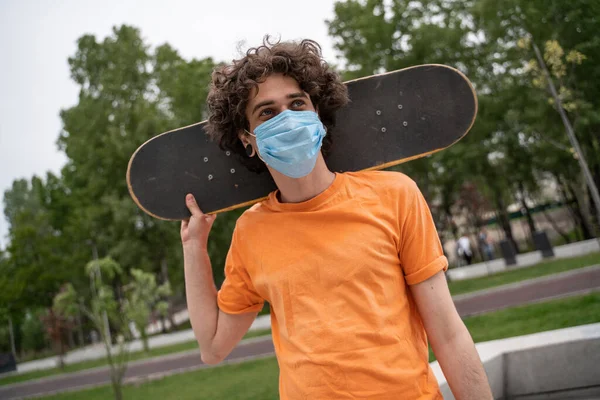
(232, 84)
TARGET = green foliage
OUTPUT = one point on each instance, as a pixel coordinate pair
(517, 139)
(32, 329)
(144, 296)
(32, 269)
(129, 92)
(102, 309)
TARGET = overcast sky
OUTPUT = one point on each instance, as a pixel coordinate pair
(37, 37)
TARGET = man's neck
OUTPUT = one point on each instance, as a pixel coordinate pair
(298, 190)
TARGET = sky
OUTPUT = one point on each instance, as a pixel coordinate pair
(38, 36)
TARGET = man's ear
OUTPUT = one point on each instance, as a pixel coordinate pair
(243, 136)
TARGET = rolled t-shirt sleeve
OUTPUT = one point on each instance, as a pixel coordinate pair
(237, 295)
(419, 248)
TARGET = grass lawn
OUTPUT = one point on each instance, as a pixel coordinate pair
(257, 380)
(535, 271)
(523, 320)
(533, 318)
(457, 287)
(138, 355)
(254, 380)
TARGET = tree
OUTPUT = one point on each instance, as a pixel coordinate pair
(376, 36)
(570, 24)
(143, 296)
(101, 304)
(517, 143)
(32, 329)
(57, 327)
(33, 270)
(128, 94)
(562, 98)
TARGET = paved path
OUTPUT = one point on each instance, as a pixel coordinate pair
(531, 291)
(569, 283)
(97, 351)
(144, 369)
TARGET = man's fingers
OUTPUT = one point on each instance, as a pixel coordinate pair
(191, 204)
(210, 218)
(184, 224)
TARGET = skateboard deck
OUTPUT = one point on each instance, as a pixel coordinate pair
(391, 118)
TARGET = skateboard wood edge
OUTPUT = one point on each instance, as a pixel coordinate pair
(374, 168)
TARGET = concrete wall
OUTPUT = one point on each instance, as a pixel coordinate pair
(554, 372)
(568, 370)
(552, 365)
(523, 260)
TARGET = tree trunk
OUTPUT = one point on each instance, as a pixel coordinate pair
(60, 352)
(117, 390)
(573, 204)
(164, 269)
(144, 338)
(555, 226)
(475, 222)
(11, 332)
(567, 203)
(504, 221)
(114, 369)
(80, 326)
(530, 221)
(118, 365)
(595, 222)
(71, 337)
(579, 208)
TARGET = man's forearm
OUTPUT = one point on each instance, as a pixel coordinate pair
(462, 367)
(201, 295)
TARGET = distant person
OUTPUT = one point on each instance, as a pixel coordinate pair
(485, 244)
(94, 337)
(464, 249)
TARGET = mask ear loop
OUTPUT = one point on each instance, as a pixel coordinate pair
(254, 151)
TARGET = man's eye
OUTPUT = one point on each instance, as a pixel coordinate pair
(297, 103)
(267, 112)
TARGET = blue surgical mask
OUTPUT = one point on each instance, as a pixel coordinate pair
(290, 142)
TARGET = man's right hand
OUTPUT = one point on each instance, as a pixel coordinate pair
(217, 333)
(195, 230)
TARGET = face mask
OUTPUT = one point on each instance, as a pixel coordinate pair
(290, 142)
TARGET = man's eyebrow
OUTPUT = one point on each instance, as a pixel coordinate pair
(262, 104)
(296, 95)
(271, 102)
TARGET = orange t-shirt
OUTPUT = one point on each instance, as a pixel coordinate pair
(336, 270)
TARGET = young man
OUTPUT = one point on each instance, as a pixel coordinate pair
(350, 263)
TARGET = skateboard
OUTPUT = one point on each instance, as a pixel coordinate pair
(391, 118)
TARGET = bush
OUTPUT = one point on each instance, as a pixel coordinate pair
(34, 334)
